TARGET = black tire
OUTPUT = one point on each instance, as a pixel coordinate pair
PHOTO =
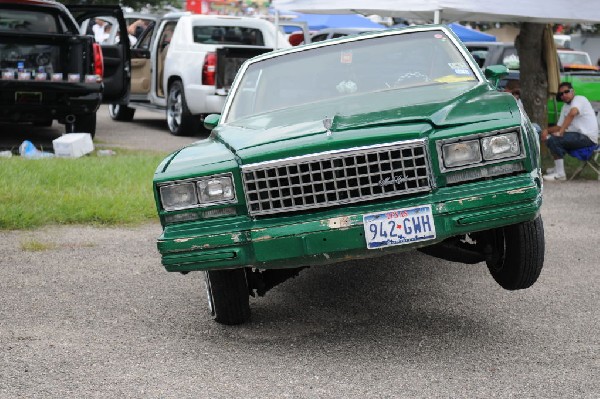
(84, 123)
(520, 249)
(179, 119)
(121, 113)
(228, 296)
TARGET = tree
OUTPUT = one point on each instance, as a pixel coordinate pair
(533, 72)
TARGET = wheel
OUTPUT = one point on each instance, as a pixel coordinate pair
(181, 122)
(84, 123)
(519, 254)
(228, 297)
(120, 113)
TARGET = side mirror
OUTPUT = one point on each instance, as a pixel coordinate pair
(494, 73)
(211, 121)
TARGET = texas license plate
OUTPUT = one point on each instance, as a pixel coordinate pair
(399, 226)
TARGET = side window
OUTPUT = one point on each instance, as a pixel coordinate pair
(228, 35)
(319, 38)
(145, 39)
(166, 35)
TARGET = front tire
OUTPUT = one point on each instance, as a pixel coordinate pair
(84, 123)
(121, 113)
(179, 118)
(228, 296)
(520, 254)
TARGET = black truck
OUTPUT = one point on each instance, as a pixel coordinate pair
(50, 71)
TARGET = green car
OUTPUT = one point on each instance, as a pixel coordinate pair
(353, 148)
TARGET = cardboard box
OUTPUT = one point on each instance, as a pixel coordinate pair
(73, 145)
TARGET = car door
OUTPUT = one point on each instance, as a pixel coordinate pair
(116, 53)
(141, 66)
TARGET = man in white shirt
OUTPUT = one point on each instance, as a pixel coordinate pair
(99, 30)
(577, 128)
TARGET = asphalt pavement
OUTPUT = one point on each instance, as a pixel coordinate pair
(92, 313)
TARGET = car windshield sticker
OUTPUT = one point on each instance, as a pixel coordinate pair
(460, 68)
(346, 57)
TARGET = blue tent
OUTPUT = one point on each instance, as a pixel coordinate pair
(323, 21)
(470, 35)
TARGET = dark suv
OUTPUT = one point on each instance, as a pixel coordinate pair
(50, 71)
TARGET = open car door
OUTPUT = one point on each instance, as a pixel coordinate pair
(115, 49)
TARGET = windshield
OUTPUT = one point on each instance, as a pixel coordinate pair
(397, 63)
(567, 58)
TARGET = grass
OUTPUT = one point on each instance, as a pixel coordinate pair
(113, 190)
(37, 246)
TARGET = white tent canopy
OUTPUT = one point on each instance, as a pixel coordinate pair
(540, 11)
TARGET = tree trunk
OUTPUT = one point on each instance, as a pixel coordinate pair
(533, 73)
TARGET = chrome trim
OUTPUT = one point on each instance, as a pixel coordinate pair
(333, 178)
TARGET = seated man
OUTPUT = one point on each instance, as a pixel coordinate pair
(577, 128)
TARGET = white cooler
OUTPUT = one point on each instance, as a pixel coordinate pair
(73, 145)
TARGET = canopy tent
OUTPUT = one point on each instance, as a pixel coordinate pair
(470, 35)
(323, 21)
(548, 11)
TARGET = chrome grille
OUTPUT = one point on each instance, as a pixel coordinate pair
(338, 177)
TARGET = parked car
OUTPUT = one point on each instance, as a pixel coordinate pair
(50, 70)
(585, 80)
(184, 65)
(363, 159)
(575, 60)
(332, 33)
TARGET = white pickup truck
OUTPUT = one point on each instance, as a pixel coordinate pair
(184, 64)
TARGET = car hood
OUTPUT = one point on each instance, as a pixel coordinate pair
(294, 132)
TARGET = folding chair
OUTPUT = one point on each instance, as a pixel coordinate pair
(588, 157)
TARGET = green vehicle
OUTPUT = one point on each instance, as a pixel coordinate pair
(575, 68)
(352, 148)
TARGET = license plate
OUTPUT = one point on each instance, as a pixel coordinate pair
(399, 226)
(28, 97)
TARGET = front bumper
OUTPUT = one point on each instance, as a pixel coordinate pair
(336, 235)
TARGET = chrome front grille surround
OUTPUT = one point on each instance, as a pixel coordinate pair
(337, 177)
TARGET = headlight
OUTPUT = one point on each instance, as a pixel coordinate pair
(480, 149)
(200, 192)
(216, 189)
(500, 146)
(461, 153)
(178, 196)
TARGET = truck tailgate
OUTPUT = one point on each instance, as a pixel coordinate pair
(51, 54)
(229, 61)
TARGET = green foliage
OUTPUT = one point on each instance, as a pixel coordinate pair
(88, 190)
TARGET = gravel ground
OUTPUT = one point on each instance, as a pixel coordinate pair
(90, 312)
